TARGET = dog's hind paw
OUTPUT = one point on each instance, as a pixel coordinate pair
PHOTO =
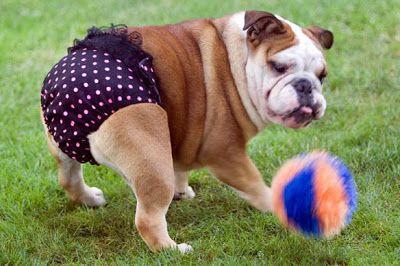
(92, 197)
(188, 194)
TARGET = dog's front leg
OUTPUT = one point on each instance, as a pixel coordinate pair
(241, 174)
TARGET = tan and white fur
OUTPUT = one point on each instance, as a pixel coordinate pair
(221, 84)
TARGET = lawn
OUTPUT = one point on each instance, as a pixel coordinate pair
(38, 225)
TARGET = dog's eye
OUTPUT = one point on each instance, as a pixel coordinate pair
(279, 68)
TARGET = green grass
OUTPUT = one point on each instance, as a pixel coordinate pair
(38, 225)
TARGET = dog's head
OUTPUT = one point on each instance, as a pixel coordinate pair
(285, 69)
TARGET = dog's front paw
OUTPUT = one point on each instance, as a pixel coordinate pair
(92, 197)
(184, 248)
(187, 194)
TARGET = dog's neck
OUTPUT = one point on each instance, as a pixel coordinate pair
(231, 31)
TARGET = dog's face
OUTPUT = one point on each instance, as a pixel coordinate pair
(286, 69)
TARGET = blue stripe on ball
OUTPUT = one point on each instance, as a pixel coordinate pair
(299, 211)
(348, 184)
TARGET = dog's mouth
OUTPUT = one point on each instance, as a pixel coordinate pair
(300, 117)
(302, 114)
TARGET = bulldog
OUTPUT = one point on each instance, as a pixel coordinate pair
(221, 82)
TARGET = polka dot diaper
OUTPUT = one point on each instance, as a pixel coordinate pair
(84, 89)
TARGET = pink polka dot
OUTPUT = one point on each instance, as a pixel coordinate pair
(108, 89)
(84, 53)
(85, 84)
(61, 121)
(107, 78)
(94, 56)
(85, 112)
(59, 103)
(80, 101)
(75, 89)
(97, 92)
(93, 107)
(95, 71)
(106, 61)
(67, 96)
(119, 68)
(83, 66)
(128, 97)
(54, 111)
(139, 98)
(78, 144)
(99, 117)
(65, 113)
(94, 63)
(110, 101)
(96, 81)
(72, 123)
(119, 98)
(75, 133)
(130, 77)
(119, 77)
(64, 71)
(72, 71)
(83, 59)
(87, 125)
(151, 69)
(150, 100)
(130, 69)
(73, 58)
(72, 106)
(119, 86)
(141, 88)
(91, 121)
(119, 61)
(73, 64)
(73, 79)
(106, 54)
(65, 131)
(107, 69)
(79, 116)
(84, 74)
(130, 86)
(101, 103)
(67, 144)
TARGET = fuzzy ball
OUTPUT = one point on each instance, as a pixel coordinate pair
(314, 194)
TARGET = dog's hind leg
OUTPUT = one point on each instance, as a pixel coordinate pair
(182, 189)
(71, 178)
(135, 142)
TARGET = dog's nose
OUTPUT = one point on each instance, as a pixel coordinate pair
(303, 87)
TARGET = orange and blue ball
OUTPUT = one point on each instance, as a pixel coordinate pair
(314, 194)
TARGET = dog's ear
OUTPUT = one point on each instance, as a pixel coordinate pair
(261, 25)
(324, 37)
